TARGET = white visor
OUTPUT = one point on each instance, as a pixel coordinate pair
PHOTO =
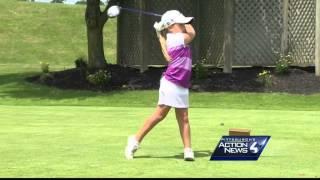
(173, 16)
(183, 20)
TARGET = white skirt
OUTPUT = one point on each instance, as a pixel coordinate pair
(173, 95)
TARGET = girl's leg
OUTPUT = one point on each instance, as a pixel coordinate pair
(134, 141)
(160, 113)
(184, 126)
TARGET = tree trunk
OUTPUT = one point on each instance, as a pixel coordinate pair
(95, 48)
(96, 57)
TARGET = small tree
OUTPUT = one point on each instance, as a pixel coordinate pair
(82, 2)
(95, 20)
(57, 1)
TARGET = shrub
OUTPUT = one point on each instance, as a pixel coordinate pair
(57, 1)
(201, 72)
(265, 78)
(46, 78)
(44, 67)
(81, 63)
(99, 78)
(283, 64)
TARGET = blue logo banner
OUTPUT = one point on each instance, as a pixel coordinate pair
(247, 148)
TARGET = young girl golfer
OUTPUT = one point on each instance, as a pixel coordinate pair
(175, 83)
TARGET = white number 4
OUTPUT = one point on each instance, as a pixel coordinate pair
(253, 148)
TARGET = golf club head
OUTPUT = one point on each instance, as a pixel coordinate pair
(114, 11)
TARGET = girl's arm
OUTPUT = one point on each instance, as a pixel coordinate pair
(162, 41)
(190, 33)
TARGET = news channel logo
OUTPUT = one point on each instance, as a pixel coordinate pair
(239, 148)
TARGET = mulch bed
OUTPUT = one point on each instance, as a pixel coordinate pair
(297, 81)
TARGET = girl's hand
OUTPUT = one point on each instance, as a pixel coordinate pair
(190, 33)
(157, 26)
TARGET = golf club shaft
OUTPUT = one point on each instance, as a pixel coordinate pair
(140, 11)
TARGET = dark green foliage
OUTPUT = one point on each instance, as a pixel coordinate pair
(81, 63)
(99, 78)
(201, 72)
(283, 64)
(57, 1)
(44, 67)
(83, 2)
(265, 78)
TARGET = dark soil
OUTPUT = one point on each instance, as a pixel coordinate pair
(298, 80)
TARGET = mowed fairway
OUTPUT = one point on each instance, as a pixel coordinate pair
(70, 141)
(48, 132)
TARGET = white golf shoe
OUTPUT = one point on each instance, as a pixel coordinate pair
(131, 148)
(188, 154)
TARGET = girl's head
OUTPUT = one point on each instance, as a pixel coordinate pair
(173, 21)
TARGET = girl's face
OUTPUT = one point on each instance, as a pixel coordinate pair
(177, 28)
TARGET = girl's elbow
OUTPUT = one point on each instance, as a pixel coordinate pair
(194, 34)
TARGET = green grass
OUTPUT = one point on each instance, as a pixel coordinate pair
(72, 141)
(47, 132)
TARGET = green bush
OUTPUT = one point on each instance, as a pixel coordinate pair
(81, 63)
(99, 78)
(283, 64)
(201, 72)
(265, 78)
(46, 78)
(57, 1)
(44, 67)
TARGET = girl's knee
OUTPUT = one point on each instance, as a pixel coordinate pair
(185, 120)
(161, 117)
(182, 115)
(161, 114)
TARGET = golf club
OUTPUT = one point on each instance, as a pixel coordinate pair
(114, 11)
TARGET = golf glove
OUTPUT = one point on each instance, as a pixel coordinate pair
(158, 26)
(113, 11)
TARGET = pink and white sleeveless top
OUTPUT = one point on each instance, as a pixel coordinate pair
(180, 67)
